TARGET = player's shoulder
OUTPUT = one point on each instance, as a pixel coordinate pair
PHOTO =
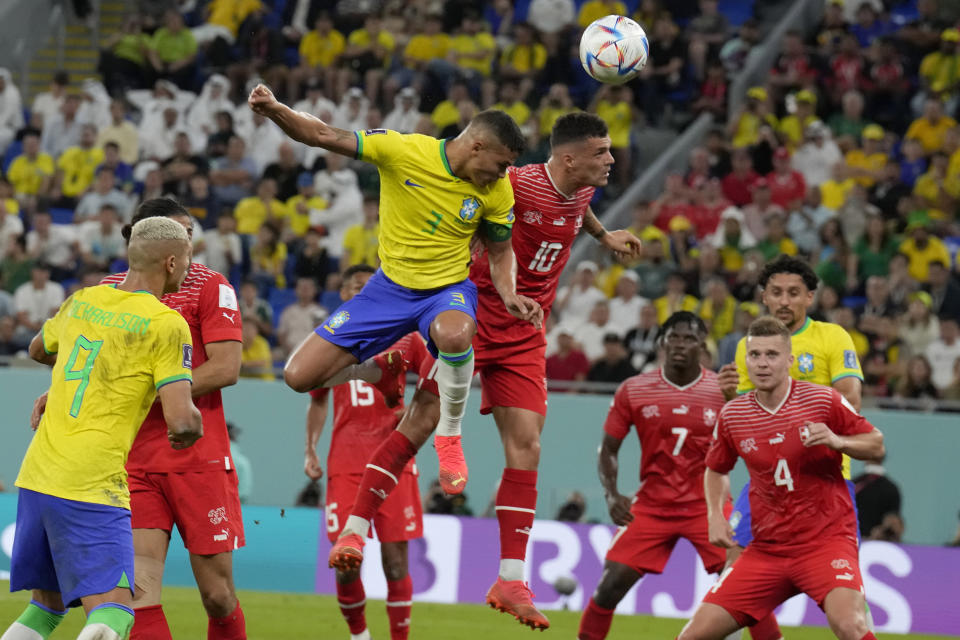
(811, 391)
(739, 405)
(640, 384)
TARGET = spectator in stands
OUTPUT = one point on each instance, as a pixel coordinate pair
(255, 359)
(920, 327)
(64, 131)
(713, 92)
(953, 391)
(854, 213)
(53, 244)
(576, 300)
(732, 239)
(707, 31)
(641, 342)
(921, 247)
(361, 241)
(874, 249)
(727, 345)
(254, 310)
(268, 258)
(428, 43)
(792, 126)
(345, 203)
(614, 365)
(914, 163)
(200, 201)
(869, 25)
(511, 104)
(777, 240)
(877, 498)
(916, 383)
(15, 264)
(847, 67)
(301, 317)
(888, 86)
(223, 250)
(589, 335)
(285, 171)
(738, 184)
(665, 72)
(218, 140)
(122, 172)
(152, 182)
(944, 291)
(213, 99)
(733, 54)
(261, 53)
(718, 308)
(794, 68)
(405, 115)
(596, 9)
(312, 260)
(940, 74)
(943, 352)
(523, 60)
(123, 58)
(849, 121)
(10, 227)
(931, 128)
(251, 213)
(320, 51)
(368, 54)
(787, 186)
(626, 304)
(103, 194)
(568, 364)
(878, 305)
(674, 201)
(675, 299)
(173, 51)
(683, 240)
(865, 165)
(447, 112)
(35, 301)
(473, 49)
(887, 193)
(11, 109)
(76, 167)
(844, 317)
(233, 175)
(100, 240)
(47, 104)
(299, 208)
(264, 140)
(937, 190)
(756, 213)
(31, 173)
(614, 105)
(180, 167)
(158, 135)
(817, 156)
(352, 112)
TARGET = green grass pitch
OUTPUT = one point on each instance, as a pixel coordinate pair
(304, 617)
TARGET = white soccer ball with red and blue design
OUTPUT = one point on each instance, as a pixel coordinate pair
(613, 49)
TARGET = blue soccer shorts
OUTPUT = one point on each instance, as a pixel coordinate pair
(75, 548)
(383, 312)
(740, 518)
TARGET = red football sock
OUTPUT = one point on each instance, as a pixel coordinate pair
(595, 622)
(230, 627)
(869, 636)
(766, 629)
(399, 601)
(516, 506)
(380, 476)
(353, 600)
(149, 623)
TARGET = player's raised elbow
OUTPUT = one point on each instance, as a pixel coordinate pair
(36, 349)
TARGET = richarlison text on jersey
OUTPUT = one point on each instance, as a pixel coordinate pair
(95, 315)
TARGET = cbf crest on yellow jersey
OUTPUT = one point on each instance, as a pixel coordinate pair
(114, 350)
(427, 214)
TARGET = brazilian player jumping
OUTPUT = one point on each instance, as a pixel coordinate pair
(113, 350)
(434, 196)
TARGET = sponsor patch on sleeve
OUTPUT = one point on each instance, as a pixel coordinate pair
(228, 298)
(849, 359)
(188, 356)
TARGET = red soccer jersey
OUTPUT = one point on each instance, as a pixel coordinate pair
(361, 419)
(797, 495)
(786, 187)
(547, 222)
(209, 305)
(675, 426)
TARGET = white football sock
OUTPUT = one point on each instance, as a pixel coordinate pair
(511, 569)
(454, 384)
(357, 525)
(98, 631)
(18, 631)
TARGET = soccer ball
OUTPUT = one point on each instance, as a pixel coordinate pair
(613, 49)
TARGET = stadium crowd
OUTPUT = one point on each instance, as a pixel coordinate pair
(849, 156)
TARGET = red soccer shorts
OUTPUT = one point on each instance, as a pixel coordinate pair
(205, 506)
(428, 375)
(399, 518)
(759, 581)
(646, 543)
(520, 383)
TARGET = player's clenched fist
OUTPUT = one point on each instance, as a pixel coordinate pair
(721, 533)
(311, 465)
(262, 101)
(819, 433)
(619, 507)
(181, 439)
(728, 379)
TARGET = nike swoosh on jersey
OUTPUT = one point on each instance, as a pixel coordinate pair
(411, 183)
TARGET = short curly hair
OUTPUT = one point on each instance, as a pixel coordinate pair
(789, 264)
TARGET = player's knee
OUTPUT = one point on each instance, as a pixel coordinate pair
(296, 377)
(394, 570)
(850, 627)
(219, 601)
(453, 335)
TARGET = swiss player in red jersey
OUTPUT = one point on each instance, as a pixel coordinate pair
(675, 409)
(552, 204)
(361, 421)
(791, 435)
(194, 489)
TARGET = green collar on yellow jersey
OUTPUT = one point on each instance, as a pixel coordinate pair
(806, 325)
(114, 286)
(443, 156)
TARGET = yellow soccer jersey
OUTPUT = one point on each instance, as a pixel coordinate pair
(823, 353)
(427, 214)
(114, 350)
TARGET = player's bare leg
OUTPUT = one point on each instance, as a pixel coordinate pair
(846, 613)
(380, 477)
(39, 619)
(214, 575)
(709, 622)
(766, 629)
(319, 363)
(150, 553)
(353, 603)
(616, 581)
(452, 332)
(399, 588)
(516, 505)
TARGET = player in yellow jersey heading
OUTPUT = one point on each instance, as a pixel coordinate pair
(823, 353)
(113, 350)
(435, 195)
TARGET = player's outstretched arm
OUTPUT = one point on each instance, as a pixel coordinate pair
(316, 417)
(716, 488)
(503, 272)
(184, 423)
(862, 446)
(608, 466)
(39, 353)
(622, 243)
(300, 126)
